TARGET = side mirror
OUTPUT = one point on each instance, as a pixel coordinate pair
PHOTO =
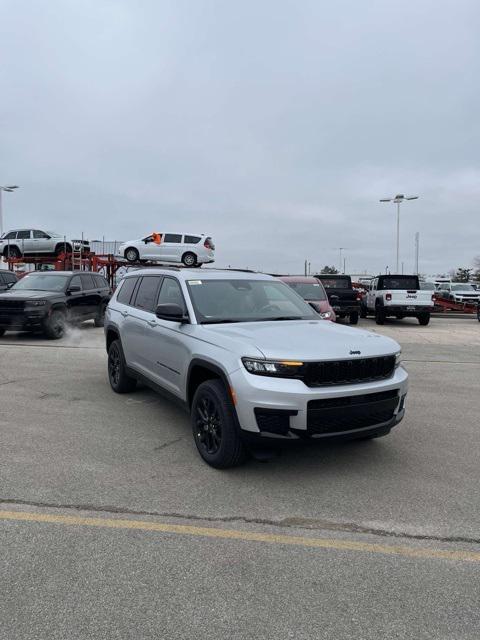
(74, 288)
(10, 285)
(172, 312)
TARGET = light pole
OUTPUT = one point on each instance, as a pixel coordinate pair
(398, 199)
(340, 249)
(10, 189)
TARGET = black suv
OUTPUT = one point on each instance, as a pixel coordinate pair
(342, 297)
(46, 301)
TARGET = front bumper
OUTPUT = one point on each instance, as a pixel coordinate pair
(259, 396)
(29, 320)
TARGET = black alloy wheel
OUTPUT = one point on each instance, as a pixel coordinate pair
(214, 425)
(119, 380)
(55, 325)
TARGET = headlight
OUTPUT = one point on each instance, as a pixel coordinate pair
(326, 315)
(36, 303)
(398, 359)
(280, 368)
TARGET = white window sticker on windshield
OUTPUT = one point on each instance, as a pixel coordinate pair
(194, 282)
(316, 285)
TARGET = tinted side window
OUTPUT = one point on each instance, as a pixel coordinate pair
(11, 236)
(76, 282)
(171, 293)
(100, 282)
(23, 235)
(192, 239)
(87, 282)
(172, 237)
(126, 289)
(147, 293)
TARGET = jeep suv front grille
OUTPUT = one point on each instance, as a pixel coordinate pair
(352, 371)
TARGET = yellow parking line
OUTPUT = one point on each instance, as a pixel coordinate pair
(247, 536)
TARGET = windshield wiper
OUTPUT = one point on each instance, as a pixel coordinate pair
(283, 318)
(225, 321)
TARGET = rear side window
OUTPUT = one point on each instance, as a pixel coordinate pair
(192, 239)
(126, 289)
(23, 235)
(172, 237)
(146, 297)
(87, 282)
(101, 282)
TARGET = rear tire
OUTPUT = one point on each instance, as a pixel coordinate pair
(214, 426)
(353, 318)
(100, 319)
(119, 380)
(63, 248)
(131, 254)
(379, 315)
(189, 259)
(424, 319)
(54, 327)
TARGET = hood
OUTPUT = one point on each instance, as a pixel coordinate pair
(302, 340)
(30, 294)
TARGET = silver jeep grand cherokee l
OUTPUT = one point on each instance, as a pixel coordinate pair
(250, 360)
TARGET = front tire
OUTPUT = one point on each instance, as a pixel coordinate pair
(12, 252)
(424, 319)
(132, 255)
(215, 430)
(54, 327)
(118, 377)
(353, 318)
(189, 259)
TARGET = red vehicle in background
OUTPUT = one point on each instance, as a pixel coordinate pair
(313, 292)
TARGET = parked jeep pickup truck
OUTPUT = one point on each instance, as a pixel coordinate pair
(397, 296)
(343, 298)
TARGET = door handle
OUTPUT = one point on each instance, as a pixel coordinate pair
(124, 314)
(152, 323)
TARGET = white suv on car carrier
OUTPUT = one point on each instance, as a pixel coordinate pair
(250, 360)
(191, 249)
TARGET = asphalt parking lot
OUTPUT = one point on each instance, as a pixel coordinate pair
(111, 526)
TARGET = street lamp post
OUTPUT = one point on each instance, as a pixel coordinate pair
(342, 262)
(398, 199)
(9, 189)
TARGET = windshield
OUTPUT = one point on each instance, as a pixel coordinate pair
(41, 282)
(463, 287)
(53, 234)
(246, 301)
(335, 282)
(308, 290)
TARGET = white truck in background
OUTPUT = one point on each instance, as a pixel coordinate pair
(398, 296)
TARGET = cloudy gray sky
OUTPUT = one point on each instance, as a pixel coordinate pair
(274, 125)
